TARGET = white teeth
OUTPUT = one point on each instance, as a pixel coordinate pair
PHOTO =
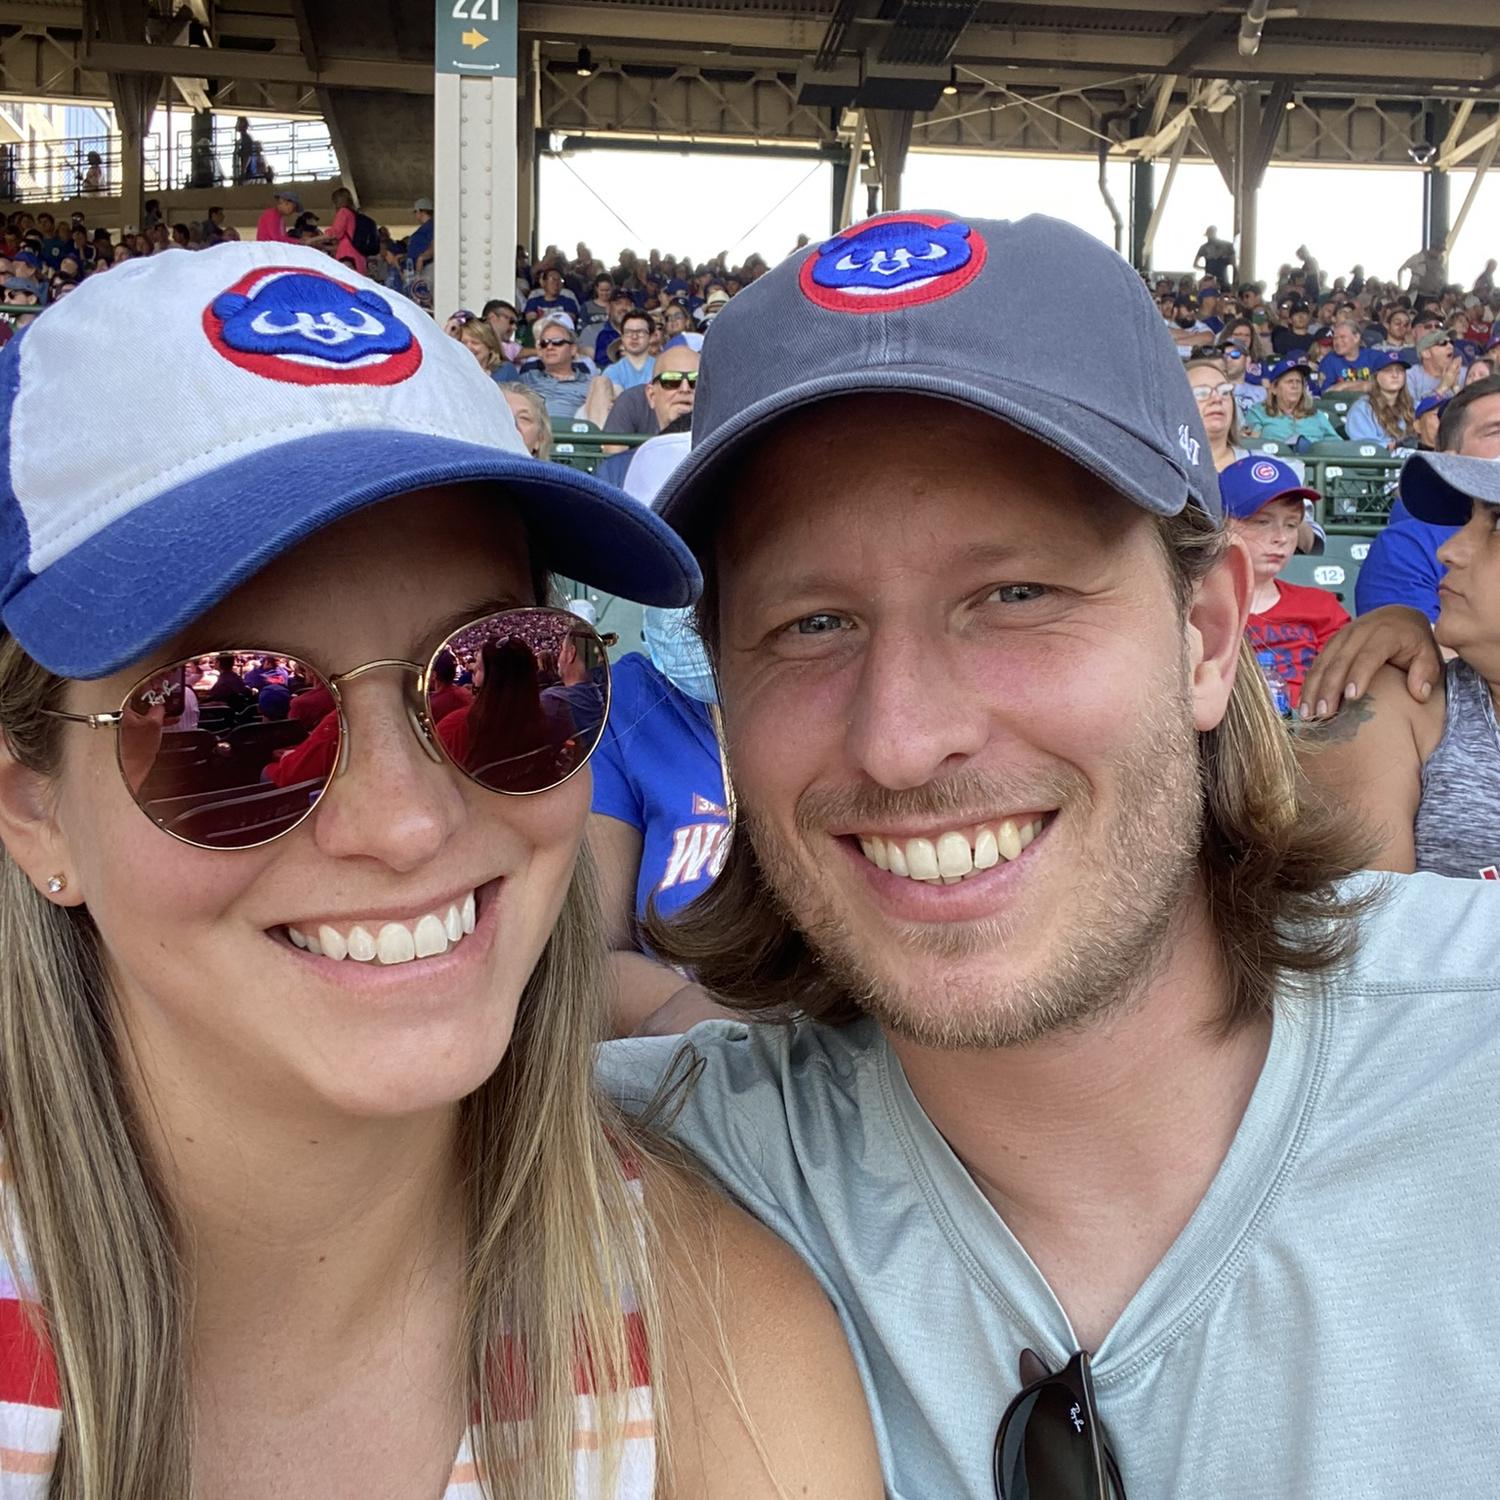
(986, 850)
(395, 945)
(395, 942)
(951, 858)
(921, 859)
(361, 945)
(1009, 839)
(431, 937)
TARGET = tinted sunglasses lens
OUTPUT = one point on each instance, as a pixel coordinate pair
(1043, 1455)
(229, 751)
(518, 700)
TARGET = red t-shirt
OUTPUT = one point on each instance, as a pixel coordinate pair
(1294, 630)
(271, 226)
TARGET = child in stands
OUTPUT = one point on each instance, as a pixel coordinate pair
(1289, 623)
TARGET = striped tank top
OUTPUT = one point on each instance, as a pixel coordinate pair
(31, 1416)
(1457, 829)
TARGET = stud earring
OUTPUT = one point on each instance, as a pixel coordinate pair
(57, 885)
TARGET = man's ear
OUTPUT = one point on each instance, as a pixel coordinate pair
(1216, 626)
(30, 831)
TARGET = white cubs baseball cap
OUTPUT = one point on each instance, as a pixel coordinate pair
(237, 400)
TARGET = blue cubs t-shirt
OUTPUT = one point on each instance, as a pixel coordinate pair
(657, 768)
(1334, 368)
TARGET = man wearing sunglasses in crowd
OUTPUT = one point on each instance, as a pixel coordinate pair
(1138, 1147)
(566, 388)
(665, 398)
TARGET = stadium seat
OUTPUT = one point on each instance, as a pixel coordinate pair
(1264, 445)
(1334, 576)
(1357, 491)
(1347, 451)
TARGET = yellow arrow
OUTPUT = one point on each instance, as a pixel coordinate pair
(475, 39)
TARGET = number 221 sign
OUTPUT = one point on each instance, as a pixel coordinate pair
(476, 37)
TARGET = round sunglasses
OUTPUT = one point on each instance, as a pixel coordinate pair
(232, 749)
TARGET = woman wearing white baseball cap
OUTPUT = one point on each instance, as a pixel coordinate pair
(307, 1186)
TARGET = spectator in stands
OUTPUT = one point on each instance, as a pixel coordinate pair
(1188, 331)
(479, 339)
(1402, 566)
(1214, 392)
(1427, 269)
(503, 319)
(1397, 325)
(715, 300)
(651, 408)
(1265, 503)
(608, 337)
(565, 391)
(419, 243)
(1479, 369)
(1426, 775)
(1294, 336)
(532, 421)
(1309, 274)
(342, 231)
(676, 320)
(633, 367)
(274, 223)
(1429, 416)
(1385, 416)
(660, 820)
(93, 178)
(1290, 414)
(595, 312)
(1438, 370)
(1484, 283)
(552, 297)
(1208, 309)
(1216, 256)
(1346, 370)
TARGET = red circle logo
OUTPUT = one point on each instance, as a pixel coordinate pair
(895, 261)
(291, 324)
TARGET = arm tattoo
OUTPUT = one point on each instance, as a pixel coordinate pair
(1343, 726)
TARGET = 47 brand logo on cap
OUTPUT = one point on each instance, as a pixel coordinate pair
(902, 260)
(310, 329)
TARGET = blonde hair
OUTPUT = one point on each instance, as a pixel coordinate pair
(1304, 408)
(556, 1242)
(477, 328)
(539, 412)
(1270, 851)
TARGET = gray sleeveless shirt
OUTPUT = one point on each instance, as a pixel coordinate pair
(1458, 820)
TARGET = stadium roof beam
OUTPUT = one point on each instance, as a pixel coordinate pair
(269, 67)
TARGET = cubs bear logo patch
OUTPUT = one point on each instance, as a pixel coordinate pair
(310, 329)
(899, 260)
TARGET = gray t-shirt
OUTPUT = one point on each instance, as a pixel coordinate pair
(1326, 1326)
(1457, 827)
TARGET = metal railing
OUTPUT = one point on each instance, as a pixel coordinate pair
(48, 171)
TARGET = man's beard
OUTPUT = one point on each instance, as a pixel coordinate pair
(1126, 892)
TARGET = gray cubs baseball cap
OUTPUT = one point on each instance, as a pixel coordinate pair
(1439, 487)
(962, 309)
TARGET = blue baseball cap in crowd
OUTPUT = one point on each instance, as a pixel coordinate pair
(1431, 403)
(1383, 359)
(286, 394)
(1440, 487)
(959, 309)
(1287, 367)
(1251, 484)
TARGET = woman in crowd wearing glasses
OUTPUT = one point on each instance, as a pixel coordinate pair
(308, 1188)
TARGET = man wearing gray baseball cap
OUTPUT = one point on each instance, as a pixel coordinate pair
(1137, 1151)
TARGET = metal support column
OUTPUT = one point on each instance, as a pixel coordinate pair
(474, 137)
(1481, 169)
(1436, 215)
(1142, 198)
(844, 190)
(890, 135)
(1148, 238)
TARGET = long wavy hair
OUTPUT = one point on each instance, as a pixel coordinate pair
(555, 1242)
(1271, 848)
(1392, 410)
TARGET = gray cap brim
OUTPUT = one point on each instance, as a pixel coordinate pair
(1440, 487)
(1117, 457)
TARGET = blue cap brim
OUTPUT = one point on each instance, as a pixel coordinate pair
(128, 589)
(1440, 488)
